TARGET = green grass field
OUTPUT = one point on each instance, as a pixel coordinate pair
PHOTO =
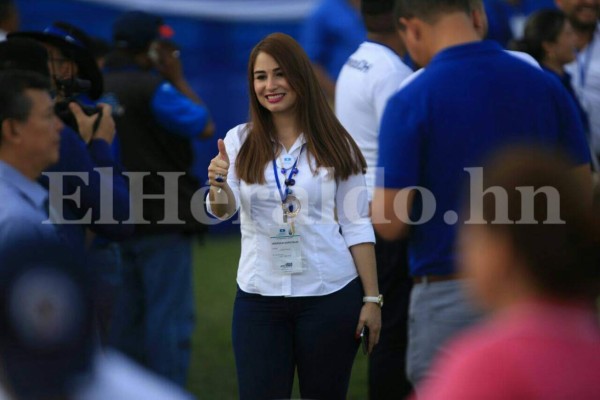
(212, 374)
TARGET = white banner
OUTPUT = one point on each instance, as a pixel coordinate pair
(224, 10)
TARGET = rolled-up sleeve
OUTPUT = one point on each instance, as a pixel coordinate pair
(352, 202)
(177, 113)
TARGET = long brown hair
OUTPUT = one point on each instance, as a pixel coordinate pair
(326, 139)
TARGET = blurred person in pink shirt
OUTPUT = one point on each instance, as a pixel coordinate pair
(540, 279)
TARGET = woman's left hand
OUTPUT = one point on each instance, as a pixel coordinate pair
(370, 316)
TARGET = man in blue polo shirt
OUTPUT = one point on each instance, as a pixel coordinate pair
(330, 33)
(472, 99)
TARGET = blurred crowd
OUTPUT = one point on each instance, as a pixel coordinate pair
(489, 107)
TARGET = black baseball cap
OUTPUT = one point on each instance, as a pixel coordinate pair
(135, 30)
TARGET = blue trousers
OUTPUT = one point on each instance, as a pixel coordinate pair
(153, 318)
(272, 336)
(104, 261)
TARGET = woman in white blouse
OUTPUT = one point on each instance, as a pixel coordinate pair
(307, 281)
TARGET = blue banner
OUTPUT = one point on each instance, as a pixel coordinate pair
(215, 40)
(223, 10)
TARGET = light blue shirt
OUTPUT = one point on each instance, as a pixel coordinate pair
(22, 209)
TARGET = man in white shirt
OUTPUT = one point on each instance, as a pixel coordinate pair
(585, 70)
(367, 80)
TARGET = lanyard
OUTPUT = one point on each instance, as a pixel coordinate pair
(583, 62)
(293, 171)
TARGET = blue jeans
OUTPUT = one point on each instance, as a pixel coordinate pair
(104, 261)
(274, 335)
(154, 316)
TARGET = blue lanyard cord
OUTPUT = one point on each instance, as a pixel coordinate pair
(583, 62)
(293, 170)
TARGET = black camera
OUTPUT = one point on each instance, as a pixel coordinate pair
(69, 89)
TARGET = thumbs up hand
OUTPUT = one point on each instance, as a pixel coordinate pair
(219, 166)
(223, 151)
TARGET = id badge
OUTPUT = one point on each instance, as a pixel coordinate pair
(286, 255)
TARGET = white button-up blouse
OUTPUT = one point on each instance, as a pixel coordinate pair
(334, 216)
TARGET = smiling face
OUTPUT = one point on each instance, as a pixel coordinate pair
(271, 86)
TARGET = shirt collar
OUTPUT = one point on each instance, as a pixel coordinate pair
(300, 141)
(470, 48)
(380, 45)
(32, 190)
(564, 78)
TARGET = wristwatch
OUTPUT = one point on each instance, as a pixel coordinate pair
(374, 299)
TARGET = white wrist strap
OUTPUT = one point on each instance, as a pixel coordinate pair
(370, 299)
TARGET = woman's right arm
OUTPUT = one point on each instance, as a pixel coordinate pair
(222, 201)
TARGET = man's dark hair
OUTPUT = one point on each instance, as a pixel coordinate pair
(429, 10)
(378, 15)
(14, 103)
(476, 4)
(382, 23)
(24, 54)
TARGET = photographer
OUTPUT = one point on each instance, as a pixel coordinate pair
(163, 117)
(70, 66)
